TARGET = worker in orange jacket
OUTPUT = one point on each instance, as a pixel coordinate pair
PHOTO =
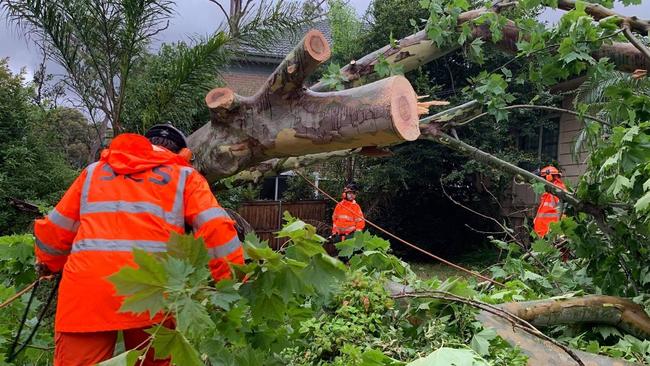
(549, 209)
(347, 217)
(140, 190)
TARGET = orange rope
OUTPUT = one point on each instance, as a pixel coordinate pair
(21, 292)
(413, 246)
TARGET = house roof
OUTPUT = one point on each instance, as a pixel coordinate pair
(279, 48)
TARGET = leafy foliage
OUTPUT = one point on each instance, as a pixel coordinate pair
(346, 30)
(17, 263)
(299, 306)
(171, 85)
(96, 42)
(31, 166)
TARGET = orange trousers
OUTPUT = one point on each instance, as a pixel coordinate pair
(86, 349)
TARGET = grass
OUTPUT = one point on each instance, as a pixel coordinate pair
(477, 260)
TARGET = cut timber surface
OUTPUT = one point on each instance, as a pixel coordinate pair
(593, 309)
(285, 119)
(541, 352)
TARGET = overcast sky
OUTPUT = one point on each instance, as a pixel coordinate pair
(192, 18)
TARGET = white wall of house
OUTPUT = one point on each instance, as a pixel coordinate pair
(573, 165)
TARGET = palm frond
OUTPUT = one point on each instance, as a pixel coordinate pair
(171, 86)
(269, 21)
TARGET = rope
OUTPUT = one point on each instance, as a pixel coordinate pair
(403, 241)
(12, 351)
(23, 291)
(18, 294)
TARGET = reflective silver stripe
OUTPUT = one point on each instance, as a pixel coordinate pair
(550, 204)
(50, 249)
(177, 208)
(207, 215)
(117, 245)
(125, 206)
(358, 219)
(223, 250)
(174, 217)
(345, 228)
(62, 221)
(86, 187)
(343, 217)
(548, 214)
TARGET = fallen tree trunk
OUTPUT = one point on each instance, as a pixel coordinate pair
(597, 309)
(517, 322)
(593, 309)
(599, 12)
(285, 119)
(273, 167)
(276, 166)
(417, 49)
(541, 352)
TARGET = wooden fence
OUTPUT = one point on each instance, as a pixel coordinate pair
(266, 216)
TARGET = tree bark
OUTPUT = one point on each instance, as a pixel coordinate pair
(273, 167)
(285, 119)
(541, 352)
(416, 50)
(593, 309)
(598, 309)
(599, 12)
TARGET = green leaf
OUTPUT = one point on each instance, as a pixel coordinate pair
(374, 357)
(304, 250)
(148, 300)
(192, 317)
(539, 187)
(629, 135)
(189, 249)
(323, 272)
(128, 358)
(382, 67)
(462, 4)
(288, 282)
(144, 287)
(481, 341)
(268, 307)
(292, 228)
(178, 272)
(476, 50)
(347, 247)
(225, 294)
(642, 203)
(620, 182)
(171, 343)
(542, 246)
(257, 253)
(445, 356)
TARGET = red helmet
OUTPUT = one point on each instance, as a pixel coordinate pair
(548, 172)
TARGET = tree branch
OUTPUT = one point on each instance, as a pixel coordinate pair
(515, 320)
(630, 37)
(599, 12)
(542, 107)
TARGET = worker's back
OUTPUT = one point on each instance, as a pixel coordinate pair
(133, 197)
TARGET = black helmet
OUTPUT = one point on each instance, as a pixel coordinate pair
(352, 186)
(167, 136)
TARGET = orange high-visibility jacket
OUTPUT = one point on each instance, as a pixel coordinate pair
(133, 197)
(548, 211)
(347, 218)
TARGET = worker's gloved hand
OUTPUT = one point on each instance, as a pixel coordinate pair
(42, 270)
